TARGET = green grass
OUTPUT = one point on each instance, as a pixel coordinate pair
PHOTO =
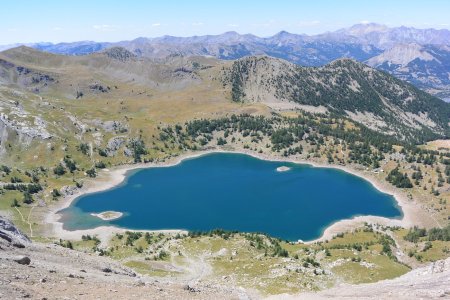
(146, 268)
(6, 199)
(235, 261)
(85, 246)
(439, 250)
(380, 267)
(360, 237)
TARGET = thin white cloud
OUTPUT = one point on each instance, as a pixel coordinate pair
(233, 25)
(104, 27)
(197, 24)
(156, 24)
(364, 22)
(57, 28)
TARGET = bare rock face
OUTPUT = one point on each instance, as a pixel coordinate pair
(439, 266)
(11, 235)
(114, 144)
(69, 190)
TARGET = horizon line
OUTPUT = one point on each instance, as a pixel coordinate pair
(219, 34)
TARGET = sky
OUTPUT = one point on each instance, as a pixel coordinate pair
(25, 21)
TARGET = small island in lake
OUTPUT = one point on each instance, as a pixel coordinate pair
(108, 215)
(283, 169)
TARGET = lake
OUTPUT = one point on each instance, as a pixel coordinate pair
(233, 192)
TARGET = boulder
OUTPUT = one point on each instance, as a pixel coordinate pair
(23, 260)
(12, 235)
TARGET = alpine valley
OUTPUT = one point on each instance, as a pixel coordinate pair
(78, 122)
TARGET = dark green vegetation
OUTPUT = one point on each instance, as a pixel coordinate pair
(398, 179)
(366, 146)
(434, 234)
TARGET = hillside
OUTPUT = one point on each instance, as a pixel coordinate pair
(378, 45)
(48, 270)
(104, 98)
(45, 270)
(427, 67)
(71, 124)
(343, 87)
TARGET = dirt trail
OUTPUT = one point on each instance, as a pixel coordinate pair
(60, 273)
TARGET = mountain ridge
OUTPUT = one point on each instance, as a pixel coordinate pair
(363, 42)
(439, 36)
(344, 87)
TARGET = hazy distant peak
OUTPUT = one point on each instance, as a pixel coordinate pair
(119, 53)
(363, 29)
(231, 33)
(282, 33)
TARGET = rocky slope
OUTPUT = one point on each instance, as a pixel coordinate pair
(429, 282)
(344, 87)
(35, 270)
(48, 271)
(427, 67)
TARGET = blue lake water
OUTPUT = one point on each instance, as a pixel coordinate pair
(233, 192)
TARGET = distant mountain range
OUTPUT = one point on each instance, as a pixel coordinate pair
(427, 66)
(419, 56)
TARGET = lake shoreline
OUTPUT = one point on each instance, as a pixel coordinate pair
(108, 179)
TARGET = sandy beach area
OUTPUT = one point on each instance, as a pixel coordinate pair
(107, 179)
